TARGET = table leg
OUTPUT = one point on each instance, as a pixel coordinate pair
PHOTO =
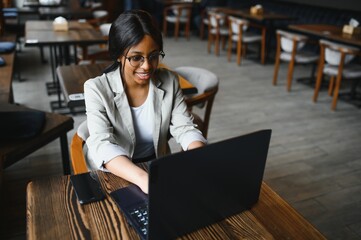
(52, 86)
(65, 154)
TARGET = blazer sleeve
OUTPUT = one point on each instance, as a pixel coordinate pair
(101, 142)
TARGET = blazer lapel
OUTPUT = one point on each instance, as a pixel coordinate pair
(121, 102)
(158, 97)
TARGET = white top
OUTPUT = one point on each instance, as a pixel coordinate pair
(143, 120)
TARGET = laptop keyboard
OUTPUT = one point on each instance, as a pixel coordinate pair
(140, 214)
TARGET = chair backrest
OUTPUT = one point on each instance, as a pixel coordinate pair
(77, 156)
(288, 38)
(182, 10)
(333, 51)
(236, 24)
(99, 17)
(105, 28)
(206, 83)
(216, 20)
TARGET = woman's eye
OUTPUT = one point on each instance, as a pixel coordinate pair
(137, 58)
(153, 57)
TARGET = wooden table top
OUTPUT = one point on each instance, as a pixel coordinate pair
(53, 212)
(40, 32)
(37, 4)
(70, 9)
(245, 13)
(326, 31)
(73, 77)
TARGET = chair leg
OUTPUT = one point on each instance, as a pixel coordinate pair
(291, 66)
(176, 30)
(277, 65)
(336, 91)
(229, 52)
(239, 51)
(338, 81)
(331, 85)
(290, 74)
(318, 81)
(263, 46)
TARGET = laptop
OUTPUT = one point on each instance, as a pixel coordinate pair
(192, 189)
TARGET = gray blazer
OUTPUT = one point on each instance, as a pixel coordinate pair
(110, 122)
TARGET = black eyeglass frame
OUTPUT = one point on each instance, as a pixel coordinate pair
(142, 60)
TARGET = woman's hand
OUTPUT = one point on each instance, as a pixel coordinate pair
(143, 184)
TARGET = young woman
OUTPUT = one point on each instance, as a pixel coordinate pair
(134, 107)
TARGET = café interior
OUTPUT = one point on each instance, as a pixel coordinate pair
(292, 66)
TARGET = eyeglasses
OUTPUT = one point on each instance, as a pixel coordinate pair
(153, 59)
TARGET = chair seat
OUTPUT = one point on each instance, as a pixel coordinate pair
(301, 57)
(350, 71)
(174, 19)
(248, 37)
(223, 31)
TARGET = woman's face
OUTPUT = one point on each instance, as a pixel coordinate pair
(140, 62)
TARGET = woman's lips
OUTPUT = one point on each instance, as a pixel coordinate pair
(144, 76)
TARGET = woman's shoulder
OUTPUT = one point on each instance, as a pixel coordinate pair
(96, 81)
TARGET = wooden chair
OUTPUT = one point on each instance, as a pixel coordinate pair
(335, 61)
(217, 31)
(206, 83)
(238, 32)
(97, 52)
(289, 49)
(99, 17)
(77, 156)
(178, 14)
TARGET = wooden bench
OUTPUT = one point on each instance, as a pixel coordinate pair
(6, 72)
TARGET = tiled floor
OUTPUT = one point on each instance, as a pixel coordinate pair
(314, 159)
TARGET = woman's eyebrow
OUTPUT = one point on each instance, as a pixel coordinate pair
(141, 53)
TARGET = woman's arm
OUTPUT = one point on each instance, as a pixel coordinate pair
(123, 167)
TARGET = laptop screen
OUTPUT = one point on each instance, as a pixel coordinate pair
(192, 189)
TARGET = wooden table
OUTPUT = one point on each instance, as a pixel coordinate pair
(41, 33)
(267, 19)
(56, 126)
(53, 212)
(73, 77)
(245, 13)
(326, 31)
(37, 4)
(70, 9)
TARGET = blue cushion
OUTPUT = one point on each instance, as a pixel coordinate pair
(6, 47)
(21, 124)
(9, 10)
(2, 62)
